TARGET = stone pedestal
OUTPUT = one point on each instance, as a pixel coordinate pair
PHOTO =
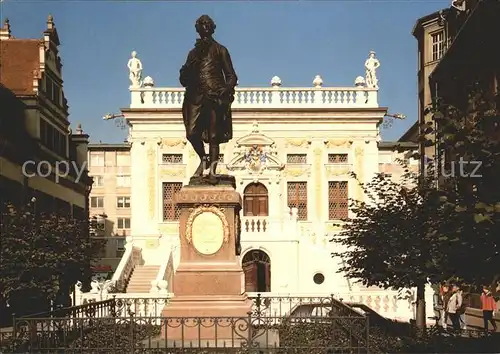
(209, 281)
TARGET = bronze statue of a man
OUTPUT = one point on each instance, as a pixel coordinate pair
(209, 78)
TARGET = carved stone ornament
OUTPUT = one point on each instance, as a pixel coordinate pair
(335, 143)
(172, 142)
(206, 210)
(172, 171)
(297, 142)
(297, 171)
(255, 153)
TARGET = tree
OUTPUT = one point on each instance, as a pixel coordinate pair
(467, 141)
(442, 223)
(389, 243)
(42, 256)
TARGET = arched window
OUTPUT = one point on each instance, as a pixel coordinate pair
(255, 200)
(257, 267)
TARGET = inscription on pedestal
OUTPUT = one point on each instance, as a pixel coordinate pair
(207, 229)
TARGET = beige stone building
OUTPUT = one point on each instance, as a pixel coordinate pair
(110, 203)
(431, 35)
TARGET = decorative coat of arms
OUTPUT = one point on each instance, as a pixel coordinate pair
(255, 159)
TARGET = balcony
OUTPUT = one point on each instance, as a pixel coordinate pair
(255, 224)
(265, 97)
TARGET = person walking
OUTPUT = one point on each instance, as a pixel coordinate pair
(445, 298)
(463, 308)
(453, 307)
(489, 306)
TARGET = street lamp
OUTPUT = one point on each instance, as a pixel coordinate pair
(120, 122)
(387, 123)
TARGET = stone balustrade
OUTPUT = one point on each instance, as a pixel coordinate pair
(265, 97)
(255, 224)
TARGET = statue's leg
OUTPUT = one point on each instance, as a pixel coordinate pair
(193, 135)
(214, 148)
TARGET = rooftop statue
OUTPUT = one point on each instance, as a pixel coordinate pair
(371, 66)
(209, 78)
(135, 70)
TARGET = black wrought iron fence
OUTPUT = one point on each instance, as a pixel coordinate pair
(90, 309)
(187, 335)
(298, 325)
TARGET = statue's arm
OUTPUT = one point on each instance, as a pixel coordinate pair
(228, 69)
(185, 72)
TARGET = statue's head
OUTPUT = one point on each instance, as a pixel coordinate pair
(134, 54)
(205, 26)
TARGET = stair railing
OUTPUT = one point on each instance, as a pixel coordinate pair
(131, 257)
(165, 276)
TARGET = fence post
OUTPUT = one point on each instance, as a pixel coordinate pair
(258, 303)
(113, 307)
(367, 334)
(14, 332)
(249, 326)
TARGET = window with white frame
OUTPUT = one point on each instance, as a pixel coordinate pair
(122, 159)
(438, 45)
(171, 158)
(296, 158)
(98, 181)
(96, 159)
(97, 202)
(123, 223)
(123, 181)
(120, 246)
(123, 202)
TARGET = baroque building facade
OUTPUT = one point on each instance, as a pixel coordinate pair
(292, 154)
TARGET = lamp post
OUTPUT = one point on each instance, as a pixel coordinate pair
(120, 122)
(387, 123)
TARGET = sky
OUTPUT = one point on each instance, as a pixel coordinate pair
(293, 39)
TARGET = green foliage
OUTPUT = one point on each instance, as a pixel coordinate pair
(472, 228)
(390, 243)
(42, 255)
(434, 225)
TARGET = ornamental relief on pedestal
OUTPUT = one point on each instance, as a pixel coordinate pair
(206, 211)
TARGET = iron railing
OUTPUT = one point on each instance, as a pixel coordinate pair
(186, 335)
(312, 325)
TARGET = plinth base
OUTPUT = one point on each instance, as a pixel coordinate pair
(207, 320)
(213, 180)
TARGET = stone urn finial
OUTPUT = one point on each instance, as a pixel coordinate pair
(359, 81)
(318, 81)
(275, 81)
(148, 82)
(79, 129)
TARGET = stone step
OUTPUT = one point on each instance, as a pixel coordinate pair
(141, 277)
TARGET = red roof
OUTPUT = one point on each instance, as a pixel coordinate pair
(19, 63)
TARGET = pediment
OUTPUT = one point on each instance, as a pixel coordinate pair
(256, 153)
(255, 138)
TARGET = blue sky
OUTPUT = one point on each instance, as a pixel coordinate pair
(295, 40)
